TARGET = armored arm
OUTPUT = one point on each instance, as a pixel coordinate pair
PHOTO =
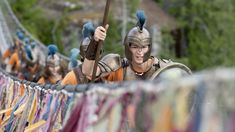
(89, 62)
(108, 64)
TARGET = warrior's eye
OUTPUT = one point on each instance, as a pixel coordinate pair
(144, 47)
(133, 46)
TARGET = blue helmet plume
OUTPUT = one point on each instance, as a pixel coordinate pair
(73, 62)
(26, 40)
(88, 30)
(141, 18)
(28, 52)
(33, 44)
(52, 49)
(73, 57)
(74, 53)
(20, 34)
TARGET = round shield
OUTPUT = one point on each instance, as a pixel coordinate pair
(171, 71)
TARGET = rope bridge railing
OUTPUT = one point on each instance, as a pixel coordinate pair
(14, 24)
(4, 33)
(187, 104)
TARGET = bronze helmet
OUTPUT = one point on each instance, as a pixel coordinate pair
(139, 36)
(87, 32)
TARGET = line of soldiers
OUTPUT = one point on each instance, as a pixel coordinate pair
(137, 65)
(22, 58)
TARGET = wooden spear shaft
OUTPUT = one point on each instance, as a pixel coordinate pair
(105, 19)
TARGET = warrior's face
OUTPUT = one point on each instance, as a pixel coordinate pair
(53, 63)
(138, 53)
(54, 69)
(140, 41)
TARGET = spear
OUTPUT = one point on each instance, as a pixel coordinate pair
(105, 18)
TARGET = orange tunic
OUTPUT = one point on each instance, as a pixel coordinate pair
(14, 60)
(114, 76)
(6, 54)
(70, 79)
(43, 81)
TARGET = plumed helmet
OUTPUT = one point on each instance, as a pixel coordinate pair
(20, 34)
(87, 33)
(33, 44)
(139, 36)
(28, 52)
(26, 40)
(52, 58)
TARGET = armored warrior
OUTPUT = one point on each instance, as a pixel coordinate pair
(137, 65)
(12, 56)
(75, 76)
(54, 70)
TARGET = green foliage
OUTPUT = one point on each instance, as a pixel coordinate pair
(23, 5)
(168, 51)
(112, 43)
(33, 19)
(61, 24)
(167, 45)
(211, 29)
(37, 23)
(132, 5)
(77, 7)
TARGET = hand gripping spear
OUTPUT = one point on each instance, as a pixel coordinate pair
(105, 17)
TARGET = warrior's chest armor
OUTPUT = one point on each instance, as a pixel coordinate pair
(129, 74)
(112, 62)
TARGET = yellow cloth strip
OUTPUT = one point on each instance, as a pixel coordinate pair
(20, 109)
(34, 126)
(6, 110)
(32, 111)
(5, 121)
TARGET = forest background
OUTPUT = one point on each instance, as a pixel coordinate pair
(198, 33)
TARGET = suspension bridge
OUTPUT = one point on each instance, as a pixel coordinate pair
(184, 104)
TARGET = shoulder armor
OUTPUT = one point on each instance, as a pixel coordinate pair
(125, 62)
(159, 63)
(164, 62)
(110, 62)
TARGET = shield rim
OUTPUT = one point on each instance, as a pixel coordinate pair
(172, 65)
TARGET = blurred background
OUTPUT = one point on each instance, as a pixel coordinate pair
(197, 33)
